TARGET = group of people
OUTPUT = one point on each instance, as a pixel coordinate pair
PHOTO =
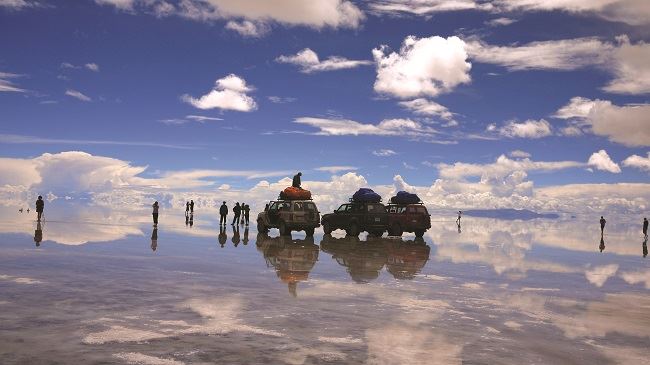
(241, 212)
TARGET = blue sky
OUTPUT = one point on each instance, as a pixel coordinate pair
(124, 71)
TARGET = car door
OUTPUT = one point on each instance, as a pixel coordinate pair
(273, 213)
(341, 216)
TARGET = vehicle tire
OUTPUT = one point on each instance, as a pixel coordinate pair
(309, 232)
(261, 227)
(353, 230)
(396, 230)
(327, 229)
(419, 233)
(284, 230)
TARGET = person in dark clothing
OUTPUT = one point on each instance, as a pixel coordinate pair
(155, 213)
(458, 219)
(602, 224)
(602, 244)
(247, 213)
(187, 208)
(191, 206)
(223, 212)
(154, 239)
(38, 234)
(243, 214)
(645, 227)
(40, 205)
(296, 180)
(223, 237)
(237, 211)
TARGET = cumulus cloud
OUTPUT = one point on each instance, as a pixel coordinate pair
(78, 95)
(638, 162)
(247, 28)
(527, 129)
(387, 127)
(423, 106)
(425, 7)
(18, 4)
(629, 66)
(229, 93)
(385, 152)
(6, 85)
(599, 274)
(336, 169)
(501, 167)
(622, 124)
(309, 62)
(422, 67)
(601, 161)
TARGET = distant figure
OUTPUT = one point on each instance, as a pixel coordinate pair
(40, 205)
(191, 220)
(237, 211)
(645, 228)
(602, 225)
(154, 238)
(223, 237)
(245, 240)
(191, 206)
(235, 235)
(155, 213)
(38, 234)
(458, 219)
(296, 180)
(20, 210)
(187, 208)
(246, 209)
(243, 214)
(459, 228)
(602, 244)
(645, 247)
(27, 210)
(223, 212)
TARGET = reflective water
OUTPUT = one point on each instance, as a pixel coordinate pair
(101, 286)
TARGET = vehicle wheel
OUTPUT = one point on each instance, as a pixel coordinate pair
(396, 230)
(353, 230)
(309, 232)
(261, 227)
(327, 229)
(284, 231)
(419, 233)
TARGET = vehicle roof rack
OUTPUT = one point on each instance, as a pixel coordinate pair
(351, 200)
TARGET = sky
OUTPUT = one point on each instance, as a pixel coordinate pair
(470, 103)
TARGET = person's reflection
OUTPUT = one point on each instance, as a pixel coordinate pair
(245, 240)
(602, 243)
(191, 219)
(154, 238)
(458, 226)
(293, 260)
(363, 260)
(407, 258)
(187, 219)
(645, 247)
(223, 237)
(235, 235)
(38, 234)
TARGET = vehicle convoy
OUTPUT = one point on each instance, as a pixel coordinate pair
(406, 213)
(364, 213)
(289, 215)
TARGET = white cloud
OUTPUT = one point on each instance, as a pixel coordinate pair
(247, 28)
(387, 127)
(634, 277)
(229, 93)
(18, 4)
(498, 22)
(281, 99)
(601, 161)
(201, 118)
(385, 152)
(527, 129)
(119, 4)
(599, 274)
(309, 62)
(630, 68)
(6, 85)
(519, 154)
(425, 7)
(188, 119)
(77, 95)
(23, 139)
(638, 162)
(336, 169)
(92, 67)
(427, 107)
(622, 124)
(423, 67)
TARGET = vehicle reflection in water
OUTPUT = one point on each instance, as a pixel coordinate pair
(38, 234)
(365, 259)
(293, 259)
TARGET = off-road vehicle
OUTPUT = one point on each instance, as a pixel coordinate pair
(289, 215)
(408, 218)
(356, 217)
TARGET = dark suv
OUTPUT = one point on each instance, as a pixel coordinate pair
(356, 217)
(408, 218)
(289, 215)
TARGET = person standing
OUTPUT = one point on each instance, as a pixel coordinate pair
(296, 180)
(458, 219)
(187, 208)
(223, 212)
(237, 211)
(602, 225)
(40, 205)
(155, 213)
(247, 213)
(243, 214)
(645, 227)
(191, 206)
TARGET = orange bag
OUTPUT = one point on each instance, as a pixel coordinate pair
(292, 193)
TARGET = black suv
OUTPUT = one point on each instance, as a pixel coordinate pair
(356, 217)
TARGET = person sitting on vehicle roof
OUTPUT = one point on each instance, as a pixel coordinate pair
(296, 180)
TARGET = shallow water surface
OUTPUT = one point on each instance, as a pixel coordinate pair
(104, 287)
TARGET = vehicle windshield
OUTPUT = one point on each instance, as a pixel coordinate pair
(376, 208)
(308, 206)
(343, 208)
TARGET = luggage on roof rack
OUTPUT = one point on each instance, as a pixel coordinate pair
(403, 197)
(292, 193)
(366, 195)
